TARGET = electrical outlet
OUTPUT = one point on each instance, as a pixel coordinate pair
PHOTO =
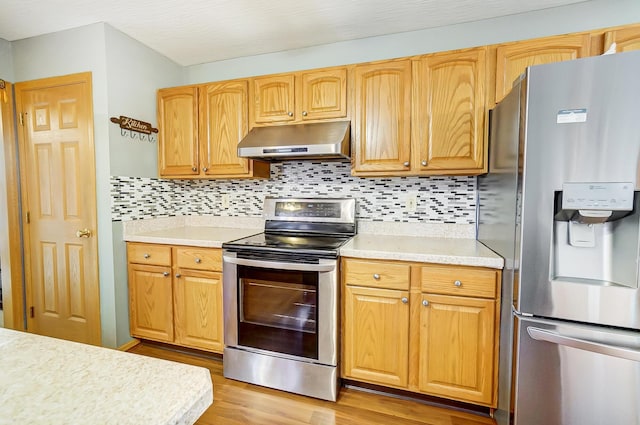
(224, 200)
(411, 202)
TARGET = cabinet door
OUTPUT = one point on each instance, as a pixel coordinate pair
(376, 335)
(457, 348)
(381, 120)
(273, 99)
(224, 122)
(323, 94)
(178, 131)
(449, 111)
(151, 302)
(198, 309)
(512, 59)
(626, 39)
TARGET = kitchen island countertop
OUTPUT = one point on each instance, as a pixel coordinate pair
(52, 381)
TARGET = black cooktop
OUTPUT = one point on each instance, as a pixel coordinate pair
(298, 243)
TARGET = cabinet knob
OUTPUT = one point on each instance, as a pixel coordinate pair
(457, 283)
(404, 300)
(178, 275)
(147, 255)
(425, 303)
(198, 261)
(290, 114)
(165, 274)
(205, 169)
(406, 164)
(304, 113)
(194, 168)
(376, 276)
(424, 162)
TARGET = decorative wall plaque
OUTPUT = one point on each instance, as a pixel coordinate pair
(135, 127)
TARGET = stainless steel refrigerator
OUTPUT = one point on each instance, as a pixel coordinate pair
(561, 204)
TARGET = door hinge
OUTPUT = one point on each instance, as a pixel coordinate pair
(32, 312)
(21, 119)
(28, 217)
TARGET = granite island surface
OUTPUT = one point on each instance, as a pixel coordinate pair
(52, 381)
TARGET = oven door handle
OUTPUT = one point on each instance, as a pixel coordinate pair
(330, 266)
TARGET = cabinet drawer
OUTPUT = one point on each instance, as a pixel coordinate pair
(199, 258)
(458, 280)
(376, 274)
(141, 253)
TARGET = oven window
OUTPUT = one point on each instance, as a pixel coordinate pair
(278, 311)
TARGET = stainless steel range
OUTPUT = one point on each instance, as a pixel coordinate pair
(281, 297)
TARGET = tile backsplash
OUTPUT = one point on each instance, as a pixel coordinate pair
(449, 199)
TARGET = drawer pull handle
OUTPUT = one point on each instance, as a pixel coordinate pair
(198, 261)
(457, 283)
(165, 274)
(376, 276)
(178, 275)
(147, 255)
(425, 303)
(404, 300)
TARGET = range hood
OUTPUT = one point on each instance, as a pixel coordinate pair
(324, 140)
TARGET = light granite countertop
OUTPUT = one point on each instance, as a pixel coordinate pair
(459, 251)
(434, 243)
(209, 232)
(52, 381)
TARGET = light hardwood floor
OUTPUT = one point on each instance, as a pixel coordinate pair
(238, 403)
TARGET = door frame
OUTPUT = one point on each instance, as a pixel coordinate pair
(13, 281)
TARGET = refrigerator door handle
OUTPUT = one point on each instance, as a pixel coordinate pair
(581, 344)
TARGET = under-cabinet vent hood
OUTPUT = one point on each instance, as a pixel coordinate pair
(324, 140)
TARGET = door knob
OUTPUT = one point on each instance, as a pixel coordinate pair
(404, 300)
(290, 114)
(424, 163)
(83, 233)
(425, 303)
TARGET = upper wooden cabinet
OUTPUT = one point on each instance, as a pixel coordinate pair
(382, 118)
(199, 129)
(448, 121)
(178, 143)
(299, 97)
(626, 39)
(513, 58)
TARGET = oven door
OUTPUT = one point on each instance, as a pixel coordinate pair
(281, 306)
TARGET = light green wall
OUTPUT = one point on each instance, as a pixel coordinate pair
(6, 61)
(134, 73)
(577, 17)
(125, 75)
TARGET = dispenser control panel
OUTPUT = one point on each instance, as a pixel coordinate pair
(597, 196)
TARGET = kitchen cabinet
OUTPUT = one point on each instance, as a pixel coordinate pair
(382, 118)
(448, 118)
(376, 326)
(199, 129)
(626, 38)
(299, 97)
(426, 328)
(175, 295)
(513, 58)
(458, 341)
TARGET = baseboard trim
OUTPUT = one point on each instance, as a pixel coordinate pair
(129, 345)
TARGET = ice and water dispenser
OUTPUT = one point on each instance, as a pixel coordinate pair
(596, 234)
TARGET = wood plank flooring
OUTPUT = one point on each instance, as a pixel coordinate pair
(238, 403)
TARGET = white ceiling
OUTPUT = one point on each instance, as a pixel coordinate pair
(198, 31)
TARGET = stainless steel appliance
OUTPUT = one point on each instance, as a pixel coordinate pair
(280, 291)
(561, 204)
(321, 140)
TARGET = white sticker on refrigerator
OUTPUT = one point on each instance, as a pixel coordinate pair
(566, 116)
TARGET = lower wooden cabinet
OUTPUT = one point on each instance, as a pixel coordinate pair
(420, 327)
(175, 295)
